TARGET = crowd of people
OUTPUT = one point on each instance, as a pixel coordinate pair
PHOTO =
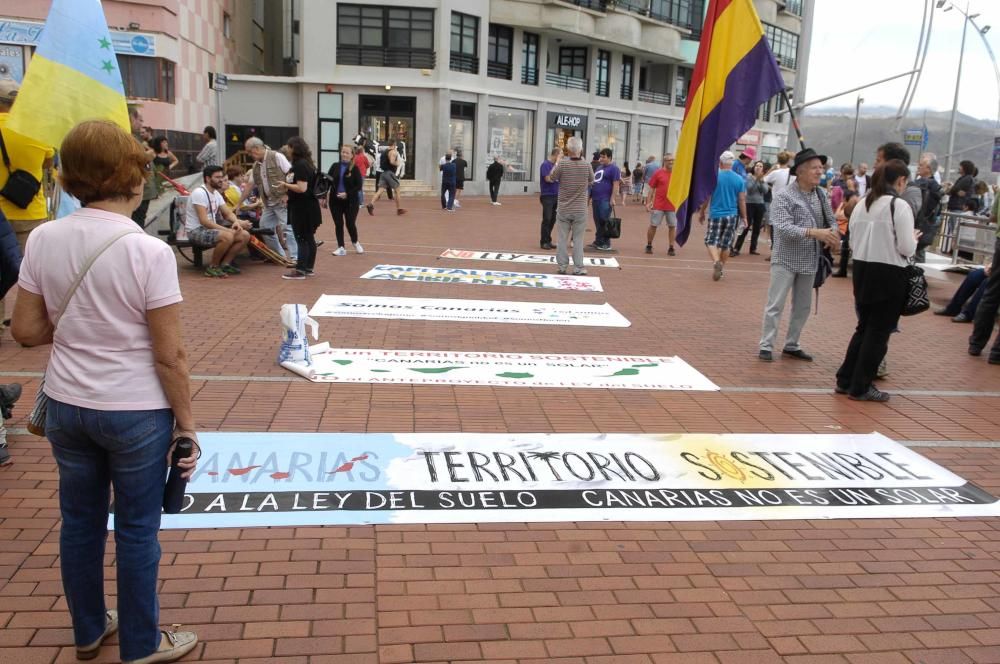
(117, 388)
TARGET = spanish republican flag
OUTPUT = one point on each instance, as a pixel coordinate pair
(73, 76)
(734, 74)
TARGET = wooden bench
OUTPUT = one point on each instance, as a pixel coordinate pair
(197, 253)
(176, 222)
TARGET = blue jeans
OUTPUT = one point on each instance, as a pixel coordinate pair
(275, 217)
(967, 297)
(602, 212)
(96, 450)
(448, 195)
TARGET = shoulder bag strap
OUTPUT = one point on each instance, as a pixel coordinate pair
(211, 212)
(822, 207)
(3, 149)
(83, 272)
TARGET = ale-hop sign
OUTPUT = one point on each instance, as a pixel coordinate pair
(451, 275)
(437, 367)
(514, 257)
(301, 479)
(468, 311)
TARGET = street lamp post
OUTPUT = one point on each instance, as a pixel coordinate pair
(857, 116)
(954, 106)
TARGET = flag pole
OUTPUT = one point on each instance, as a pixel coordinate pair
(795, 121)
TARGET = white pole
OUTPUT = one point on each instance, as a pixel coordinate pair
(954, 106)
(857, 116)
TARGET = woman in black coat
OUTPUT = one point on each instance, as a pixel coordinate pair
(964, 188)
(345, 183)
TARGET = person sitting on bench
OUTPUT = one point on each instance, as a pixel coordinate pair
(205, 208)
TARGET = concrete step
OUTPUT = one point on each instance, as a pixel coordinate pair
(407, 187)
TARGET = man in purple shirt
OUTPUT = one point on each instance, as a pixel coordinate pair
(603, 194)
(549, 197)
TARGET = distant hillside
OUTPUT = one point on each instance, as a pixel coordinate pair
(829, 131)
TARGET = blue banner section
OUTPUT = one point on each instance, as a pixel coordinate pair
(299, 479)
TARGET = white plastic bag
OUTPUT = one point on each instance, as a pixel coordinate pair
(294, 343)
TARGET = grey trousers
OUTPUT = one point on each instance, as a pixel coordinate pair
(784, 281)
(275, 217)
(565, 223)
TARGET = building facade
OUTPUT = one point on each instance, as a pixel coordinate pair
(166, 49)
(511, 78)
(498, 77)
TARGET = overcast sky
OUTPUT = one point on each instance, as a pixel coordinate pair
(860, 41)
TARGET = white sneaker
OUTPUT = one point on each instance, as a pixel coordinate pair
(457, 204)
(358, 248)
(339, 252)
(496, 202)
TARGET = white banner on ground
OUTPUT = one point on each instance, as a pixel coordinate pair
(302, 479)
(512, 257)
(469, 311)
(451, 275)
(433, 367)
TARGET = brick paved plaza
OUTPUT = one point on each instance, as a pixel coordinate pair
(832, 591)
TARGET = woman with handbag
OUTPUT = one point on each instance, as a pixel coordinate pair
(882, 240)
(116, 392)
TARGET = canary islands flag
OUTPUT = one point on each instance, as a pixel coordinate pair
(73, 75)
(734, 74)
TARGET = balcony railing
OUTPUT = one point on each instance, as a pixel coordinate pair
(391, 57)
(464, 63)
(654, 97)
(596, 5)
(785, 61)
(603, 88)
(680, 100)
(568, 82)
(626, 92)
(792, 6)
(687, 14)
(529, 75)
(499, 69)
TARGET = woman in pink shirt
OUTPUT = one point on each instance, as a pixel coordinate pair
(117, 383)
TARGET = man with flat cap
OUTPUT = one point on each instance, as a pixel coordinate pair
(802, 223)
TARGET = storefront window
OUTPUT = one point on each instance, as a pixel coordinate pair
(651, 141)
(510, 136)
(462, 133)
(610, 134)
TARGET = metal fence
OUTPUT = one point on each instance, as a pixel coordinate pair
(967, 238)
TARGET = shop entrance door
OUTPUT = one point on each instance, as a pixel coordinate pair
(559, 135)
(391, 119)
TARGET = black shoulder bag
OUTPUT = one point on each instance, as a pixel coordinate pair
(917, 300)
(21, 187)
(824, 263)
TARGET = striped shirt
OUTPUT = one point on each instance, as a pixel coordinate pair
(574, 177)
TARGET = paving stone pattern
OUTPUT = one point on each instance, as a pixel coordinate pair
(866, 591)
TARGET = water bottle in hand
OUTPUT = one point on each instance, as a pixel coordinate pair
(173, 494)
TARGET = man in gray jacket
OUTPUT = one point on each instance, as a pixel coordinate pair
(802, 222)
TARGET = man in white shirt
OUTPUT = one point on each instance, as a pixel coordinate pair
(780, 176)
(205, 207)
(863, 180)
